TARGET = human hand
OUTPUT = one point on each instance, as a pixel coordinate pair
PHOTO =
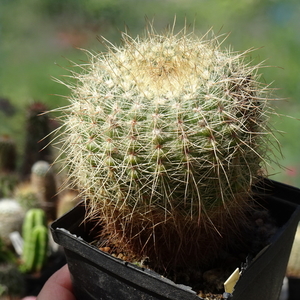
(58, 287)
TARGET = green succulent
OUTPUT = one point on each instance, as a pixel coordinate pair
(35, 236)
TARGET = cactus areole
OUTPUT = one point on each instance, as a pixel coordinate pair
(164, 136)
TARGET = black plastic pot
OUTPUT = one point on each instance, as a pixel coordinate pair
(97, 275)
(293, 288)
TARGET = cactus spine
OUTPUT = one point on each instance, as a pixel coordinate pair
(165, 136)
(35, 236)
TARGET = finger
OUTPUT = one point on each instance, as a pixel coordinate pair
(58, 286)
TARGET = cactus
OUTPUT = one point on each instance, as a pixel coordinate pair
(44, 186)
(8, 160)
(8, 183)
(6, 107)
(37, 137)
(165, 135)
(25, 196)
(8, 154)
(35, 236)
(11, 218)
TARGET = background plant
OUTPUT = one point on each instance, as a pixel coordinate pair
(43, 184)
(35, 245)
(36, 138)
(12, 215)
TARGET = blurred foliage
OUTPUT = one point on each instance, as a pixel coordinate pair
(36, 37)
(6, 256)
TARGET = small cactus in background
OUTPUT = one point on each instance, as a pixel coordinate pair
(6, 107)
(11, 218)
(35, 245)
(8, 161)
(8, 154)
(25, 195)
(165, 136)
(8, 183)
(12, 283)
(37, 137)
(44, 186)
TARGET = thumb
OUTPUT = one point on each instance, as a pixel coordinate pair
(58, 286)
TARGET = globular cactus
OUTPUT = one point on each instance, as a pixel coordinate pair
(11, 218)
(165, 135)
(35, 236)
(44, 186)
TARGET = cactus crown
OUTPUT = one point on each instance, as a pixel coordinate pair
(166, 128)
